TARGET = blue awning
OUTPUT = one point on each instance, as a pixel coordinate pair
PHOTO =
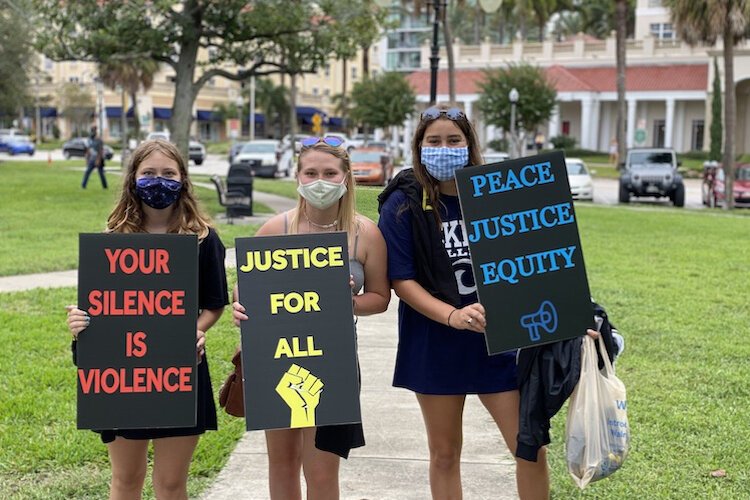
(336, 121)
(162, 113)
(259, 118)
(47, 112)
(305, 113)
(116, 112)
(207, 116)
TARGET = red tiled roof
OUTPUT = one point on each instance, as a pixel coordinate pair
(665, 78)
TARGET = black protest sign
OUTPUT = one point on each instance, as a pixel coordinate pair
(525, 250)
(299, 356)
(136, 359)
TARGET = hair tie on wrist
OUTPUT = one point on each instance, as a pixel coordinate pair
(451, 314)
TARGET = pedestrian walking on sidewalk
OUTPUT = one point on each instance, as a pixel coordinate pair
(94, 159)
(157, 197)
(326, 203)
(442, 355)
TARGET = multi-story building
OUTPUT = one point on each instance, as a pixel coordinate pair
(668, 84)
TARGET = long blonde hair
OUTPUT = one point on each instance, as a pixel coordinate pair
(346, 215)
(127, 216)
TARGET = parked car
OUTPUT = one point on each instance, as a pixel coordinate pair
(265, 155)
(495, 156)
(19, 144)
(579, 178)
(77, 146)
(652, 172)
(6, 134)
(234, 150)
(371, 166)
(196, 150)
(714, 195)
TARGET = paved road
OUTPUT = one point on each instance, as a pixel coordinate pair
(605, 190)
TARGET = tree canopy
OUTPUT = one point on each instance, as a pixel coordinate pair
(382, 101)
(15, 55)
(202, 40)
(536, 96)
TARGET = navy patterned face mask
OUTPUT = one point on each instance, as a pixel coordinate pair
(158, 192)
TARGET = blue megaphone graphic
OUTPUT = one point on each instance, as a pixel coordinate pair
(545, 318)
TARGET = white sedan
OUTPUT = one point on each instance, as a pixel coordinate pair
(579, 178)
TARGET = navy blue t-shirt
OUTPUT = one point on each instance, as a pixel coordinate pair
(433, 358)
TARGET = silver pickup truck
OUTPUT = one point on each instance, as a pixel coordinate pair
(652, 172)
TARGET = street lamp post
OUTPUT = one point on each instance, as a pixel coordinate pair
(435, 54)
(513, 97)
(37, 113)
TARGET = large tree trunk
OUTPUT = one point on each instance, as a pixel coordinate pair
(621, 15)
(184, 96)
(448, 37)
(729, 115)
(366, 61)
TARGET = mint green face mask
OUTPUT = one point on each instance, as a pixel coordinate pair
(322, 194)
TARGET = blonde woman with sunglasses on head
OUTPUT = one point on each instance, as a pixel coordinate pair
(442, 355)
(326, 203)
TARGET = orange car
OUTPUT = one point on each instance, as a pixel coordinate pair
(371, 166)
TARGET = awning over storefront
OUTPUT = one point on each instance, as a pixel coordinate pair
(116, 112)
(305, 113)
(259, 118)
(162, 113)
(207, 116)
(47, 112)
(336, 121)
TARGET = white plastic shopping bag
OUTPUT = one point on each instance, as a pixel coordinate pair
(597, 431)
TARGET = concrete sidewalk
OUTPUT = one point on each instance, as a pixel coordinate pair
(394, 464)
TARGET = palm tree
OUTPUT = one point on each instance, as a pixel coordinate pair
(130, 75)
(273, 100)
(706, 21)
(621, 17)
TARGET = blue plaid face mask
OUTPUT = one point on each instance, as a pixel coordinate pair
(442, 163)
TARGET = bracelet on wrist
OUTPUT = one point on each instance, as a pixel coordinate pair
(451, 314)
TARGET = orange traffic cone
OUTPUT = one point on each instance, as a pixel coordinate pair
(49, 158)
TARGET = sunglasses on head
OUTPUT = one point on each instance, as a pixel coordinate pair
(434, 113)
(329, 139)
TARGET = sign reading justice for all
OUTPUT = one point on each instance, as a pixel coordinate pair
(299, 356)
(525, 250)
(136, 359)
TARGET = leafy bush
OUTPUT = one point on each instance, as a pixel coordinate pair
(498, 145)
(563, 142)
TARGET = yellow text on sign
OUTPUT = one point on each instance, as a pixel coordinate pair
(294, 302)
(283, 348)
(293, 258)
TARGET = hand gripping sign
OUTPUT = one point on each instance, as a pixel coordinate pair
(298, 346)
(525, 250)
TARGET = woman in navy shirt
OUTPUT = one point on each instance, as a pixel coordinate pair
(442, 355)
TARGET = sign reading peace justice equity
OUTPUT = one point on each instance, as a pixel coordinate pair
(298, 346)
(526, 254)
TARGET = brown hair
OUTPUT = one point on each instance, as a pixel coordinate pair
(428, 182)
(127, 216)
(346, 216)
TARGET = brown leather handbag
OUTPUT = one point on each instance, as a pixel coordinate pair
(231, 394)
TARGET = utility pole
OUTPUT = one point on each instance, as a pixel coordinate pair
(435, 52)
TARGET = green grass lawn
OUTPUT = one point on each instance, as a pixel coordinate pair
(672, 281)
(44, 209)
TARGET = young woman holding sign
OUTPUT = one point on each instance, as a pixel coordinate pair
(442, 355)
(326, 203)
(157, 197)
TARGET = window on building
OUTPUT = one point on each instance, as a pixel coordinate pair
(73, 79)
(327, 70)
(354, 72)
(654, 3)
(326, 92)
(662, 31)
(696, 135)
(315, 90)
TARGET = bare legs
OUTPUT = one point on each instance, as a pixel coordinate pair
(443, 417)
(292, 449)
(172, 458)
